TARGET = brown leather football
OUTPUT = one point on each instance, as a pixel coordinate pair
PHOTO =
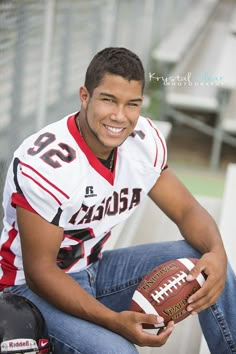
(165, 291)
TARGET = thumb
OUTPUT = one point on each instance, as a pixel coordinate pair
(156, 321)
(194, 272)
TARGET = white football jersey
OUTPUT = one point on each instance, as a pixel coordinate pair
(55, 174)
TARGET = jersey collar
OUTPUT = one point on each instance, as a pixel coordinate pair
(92, 159)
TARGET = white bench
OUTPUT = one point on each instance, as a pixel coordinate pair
(201, 62)
(229, 117)
(233, 22)
(226, 122)
(211, 64)
(227, 225)
(174, 46)
(227, 222)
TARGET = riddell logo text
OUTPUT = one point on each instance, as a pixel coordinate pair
(26, 343)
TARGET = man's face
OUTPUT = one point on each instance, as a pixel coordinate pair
(111, 112)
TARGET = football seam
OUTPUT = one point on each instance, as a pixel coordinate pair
(175, 283)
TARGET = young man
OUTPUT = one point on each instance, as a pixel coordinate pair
(69, 185)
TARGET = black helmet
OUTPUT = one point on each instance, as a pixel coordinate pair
(22, 327)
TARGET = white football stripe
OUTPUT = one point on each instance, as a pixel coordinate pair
(189, 265)
(146, 306)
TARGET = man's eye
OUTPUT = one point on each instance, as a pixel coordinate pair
(108, 100)
(133, 104)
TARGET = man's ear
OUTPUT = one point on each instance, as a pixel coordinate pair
(84, 96)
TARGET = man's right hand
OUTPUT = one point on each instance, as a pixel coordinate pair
(129, 324)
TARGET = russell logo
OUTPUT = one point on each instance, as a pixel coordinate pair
(89, 192)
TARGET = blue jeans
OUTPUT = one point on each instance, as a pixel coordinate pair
(112, 281)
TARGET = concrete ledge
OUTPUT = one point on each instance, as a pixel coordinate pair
(227, 223)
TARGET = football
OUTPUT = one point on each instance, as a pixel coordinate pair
(164, 291)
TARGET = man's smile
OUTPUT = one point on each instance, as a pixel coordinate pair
(113, 130)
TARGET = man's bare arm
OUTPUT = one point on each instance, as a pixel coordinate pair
(200, 230)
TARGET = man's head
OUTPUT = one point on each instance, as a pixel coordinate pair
(116, 61)
(111, 99)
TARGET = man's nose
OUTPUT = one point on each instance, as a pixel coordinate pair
(119, 114)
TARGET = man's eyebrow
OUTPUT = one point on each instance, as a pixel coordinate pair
(106, 94)
(114, 97)
(136, 100)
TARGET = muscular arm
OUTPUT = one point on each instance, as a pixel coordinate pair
(40, 242)
(194, 222)
(199, 229)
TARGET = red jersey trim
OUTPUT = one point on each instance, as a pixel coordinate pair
(162, 143)
(19, 199)
(156, 157)
(41, 186)
(7, 262)
(92, 159)
(45, 179)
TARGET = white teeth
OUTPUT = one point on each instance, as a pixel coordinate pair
(114, 130)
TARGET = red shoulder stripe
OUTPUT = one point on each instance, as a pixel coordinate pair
(45, 179)
(41, 186)
(162, 143)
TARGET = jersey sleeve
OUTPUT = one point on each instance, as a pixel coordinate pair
(43, 173)
(37, 192)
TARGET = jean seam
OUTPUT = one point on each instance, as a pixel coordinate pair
(92, 275)
(65, 344)
(120, 287)
(219, 316)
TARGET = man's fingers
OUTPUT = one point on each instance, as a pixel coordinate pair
(151, 321)
(204, 297)
(194, 273)
(160, 338)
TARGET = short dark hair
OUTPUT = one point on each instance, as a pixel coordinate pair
(114, 60)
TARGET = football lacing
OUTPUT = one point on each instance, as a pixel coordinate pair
(176, 281)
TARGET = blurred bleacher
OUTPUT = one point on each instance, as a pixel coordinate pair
(200, 73)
